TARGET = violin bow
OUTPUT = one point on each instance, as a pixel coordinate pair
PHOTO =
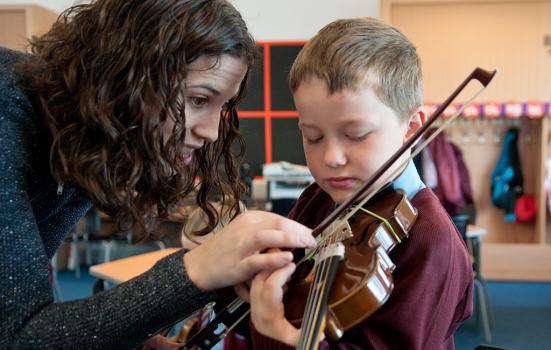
(238, 309)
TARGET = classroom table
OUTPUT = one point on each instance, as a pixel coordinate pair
(122, 270)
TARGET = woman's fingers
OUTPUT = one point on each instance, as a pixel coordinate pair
(242, 248)
(275, 231)
(270, 238)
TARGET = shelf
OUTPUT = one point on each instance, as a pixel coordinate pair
(516, 262)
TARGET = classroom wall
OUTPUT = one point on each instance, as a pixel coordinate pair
(268, 19)
(292, 19)
(55, 5)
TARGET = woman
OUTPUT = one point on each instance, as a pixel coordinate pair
(120, 106)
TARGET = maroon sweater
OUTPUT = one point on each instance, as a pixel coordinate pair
(433, 282)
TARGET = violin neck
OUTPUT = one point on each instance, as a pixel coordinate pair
(219, 327)
(316, 304)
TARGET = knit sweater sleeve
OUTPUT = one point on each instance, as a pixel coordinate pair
(119, 318)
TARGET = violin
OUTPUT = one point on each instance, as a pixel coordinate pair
(362, 279)
(347, 276)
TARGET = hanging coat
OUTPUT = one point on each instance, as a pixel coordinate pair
(507, 180)
(454, 185)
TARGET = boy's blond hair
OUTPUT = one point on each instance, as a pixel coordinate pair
(349, 53)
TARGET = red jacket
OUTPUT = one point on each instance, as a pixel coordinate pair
(454, 183)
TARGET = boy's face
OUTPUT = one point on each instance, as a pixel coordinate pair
(348, 135)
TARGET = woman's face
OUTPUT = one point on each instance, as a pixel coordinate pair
(210, 83)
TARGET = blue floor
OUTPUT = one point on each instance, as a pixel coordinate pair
(522, 313)
(72, 288)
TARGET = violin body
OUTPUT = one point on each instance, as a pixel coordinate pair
(363, 281)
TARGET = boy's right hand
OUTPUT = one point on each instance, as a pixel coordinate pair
(237, 252)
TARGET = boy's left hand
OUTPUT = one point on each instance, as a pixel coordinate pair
(267, 310)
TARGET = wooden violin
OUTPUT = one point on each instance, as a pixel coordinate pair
(363, 276)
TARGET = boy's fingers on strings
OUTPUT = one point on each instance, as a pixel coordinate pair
(267, 311)
(279, 278)
(268, 286)
(264, 299)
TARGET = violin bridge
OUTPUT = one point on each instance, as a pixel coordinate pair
(338, 231)
(334, 249)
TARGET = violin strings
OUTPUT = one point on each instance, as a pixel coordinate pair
(314, 304)
(319, 298)
(325, 287)
(321, 273)
(307, 324)
(309, 314)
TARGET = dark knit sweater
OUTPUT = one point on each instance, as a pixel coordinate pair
(432, 283)
(34, 219)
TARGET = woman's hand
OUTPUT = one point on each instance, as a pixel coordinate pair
(236, 253)
(267, 310)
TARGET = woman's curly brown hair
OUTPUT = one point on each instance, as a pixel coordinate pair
(108, 75)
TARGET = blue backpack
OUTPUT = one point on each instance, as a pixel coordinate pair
(507, 180)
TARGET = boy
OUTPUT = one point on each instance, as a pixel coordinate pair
(357, 86)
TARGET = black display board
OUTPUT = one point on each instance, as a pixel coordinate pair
(270, 131)
(254, 100)
(287, 141)
(252, 130)
(282, 58)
